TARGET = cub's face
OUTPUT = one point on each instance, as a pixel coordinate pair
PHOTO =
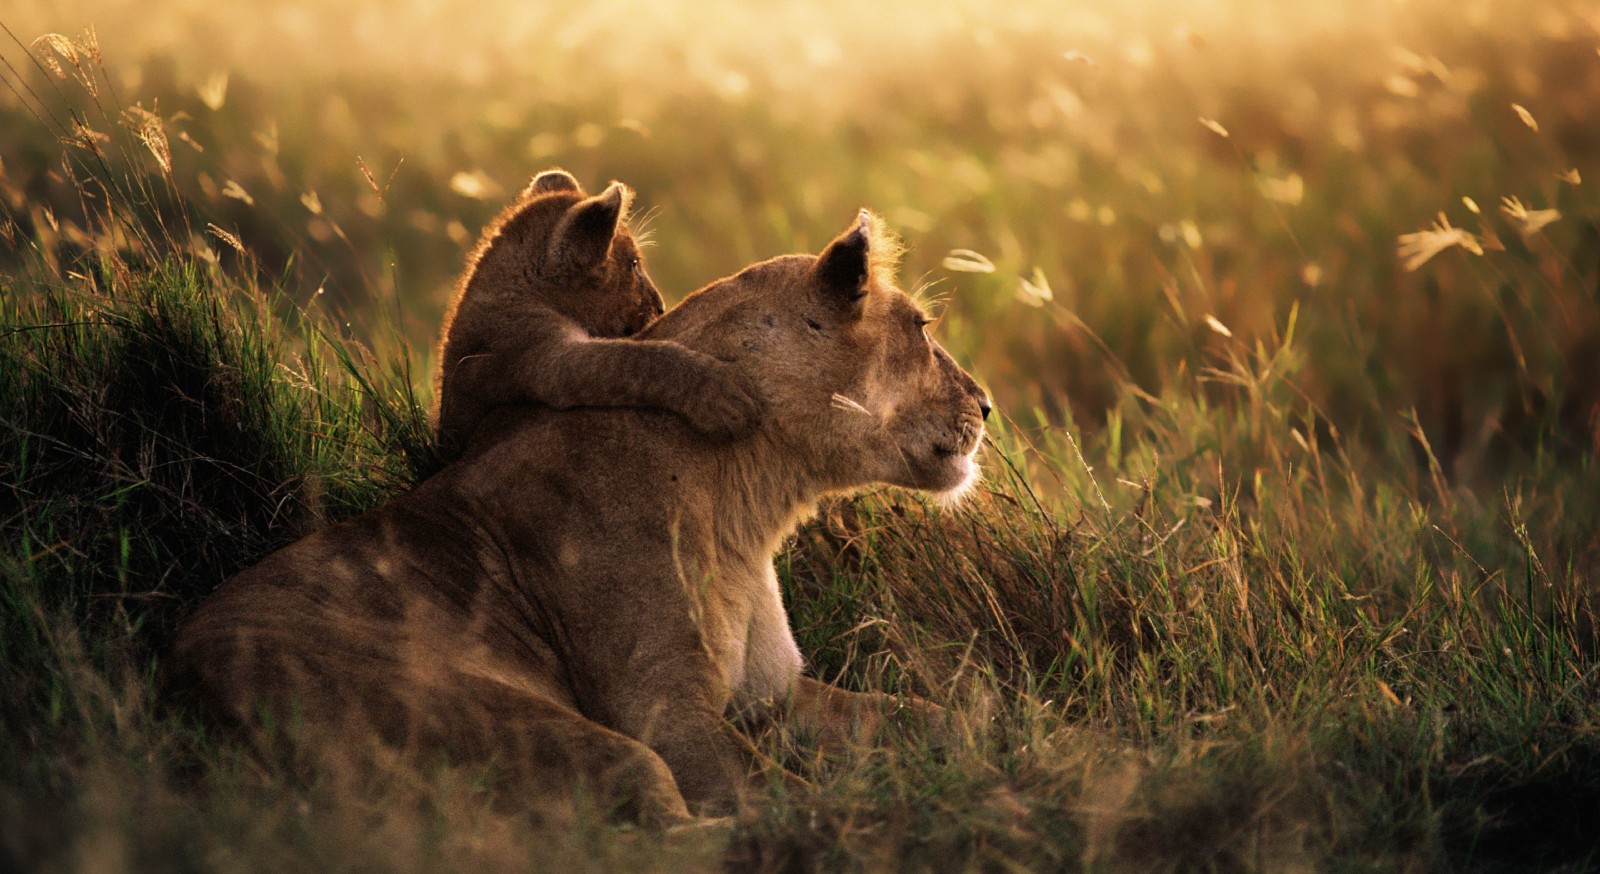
(620, 298)
(578, 255)
(857, 385)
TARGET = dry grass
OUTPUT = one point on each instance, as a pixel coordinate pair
(1285, 556)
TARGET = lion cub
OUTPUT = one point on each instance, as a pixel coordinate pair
(552, 288)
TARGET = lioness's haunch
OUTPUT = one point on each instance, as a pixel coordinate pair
(585, 595)
(550, 292)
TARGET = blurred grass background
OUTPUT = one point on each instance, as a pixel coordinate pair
(1065, 146)
(1286, 556)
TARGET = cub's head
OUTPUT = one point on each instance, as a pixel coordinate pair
(860, 392)
(574, 252)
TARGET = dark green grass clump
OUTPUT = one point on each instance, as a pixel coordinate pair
(158, 432)
(162, 434)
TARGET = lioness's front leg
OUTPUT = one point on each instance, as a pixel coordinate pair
(669, 695)
(714, 765)
(839, 718)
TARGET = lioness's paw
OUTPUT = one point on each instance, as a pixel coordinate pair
(724, 404)
(928, 720)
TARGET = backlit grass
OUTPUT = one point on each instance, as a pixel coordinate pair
(1284, 559)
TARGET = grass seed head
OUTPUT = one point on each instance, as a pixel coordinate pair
(1528, 221)
(850, 405)
(1419, 248)
(1526, 116)
(146, 124)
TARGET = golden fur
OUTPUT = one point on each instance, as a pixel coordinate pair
(585, 596)
(554, 285)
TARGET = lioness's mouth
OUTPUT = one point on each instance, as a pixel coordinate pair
(963, 441)
(959, 449)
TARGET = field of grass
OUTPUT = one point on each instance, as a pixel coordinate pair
(1286, 556)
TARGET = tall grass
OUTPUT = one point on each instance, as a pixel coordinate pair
(1285, 554)
(1065, 147)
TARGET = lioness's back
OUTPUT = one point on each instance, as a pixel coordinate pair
(395, 591)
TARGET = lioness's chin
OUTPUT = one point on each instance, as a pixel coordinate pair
(949, 477)
(968, 475)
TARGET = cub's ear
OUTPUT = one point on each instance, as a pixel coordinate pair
(553, 180)
(843, 267)
(582, 238)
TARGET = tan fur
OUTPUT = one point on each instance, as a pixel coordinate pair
(550, 291)
(585, 596)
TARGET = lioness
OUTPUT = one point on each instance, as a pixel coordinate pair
(553, 285)
(584, 595)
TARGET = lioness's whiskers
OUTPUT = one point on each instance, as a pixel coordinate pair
(840, 402)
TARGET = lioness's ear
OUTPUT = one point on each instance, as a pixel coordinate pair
(843, 267)
(583, 237)
(553, 180)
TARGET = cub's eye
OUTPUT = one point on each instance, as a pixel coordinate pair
(635, 264)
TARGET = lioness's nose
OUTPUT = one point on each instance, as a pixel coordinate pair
(983, 406)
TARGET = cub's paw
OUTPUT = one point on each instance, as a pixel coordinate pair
(724, 404)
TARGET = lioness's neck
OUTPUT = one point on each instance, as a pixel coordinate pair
(767, 493)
